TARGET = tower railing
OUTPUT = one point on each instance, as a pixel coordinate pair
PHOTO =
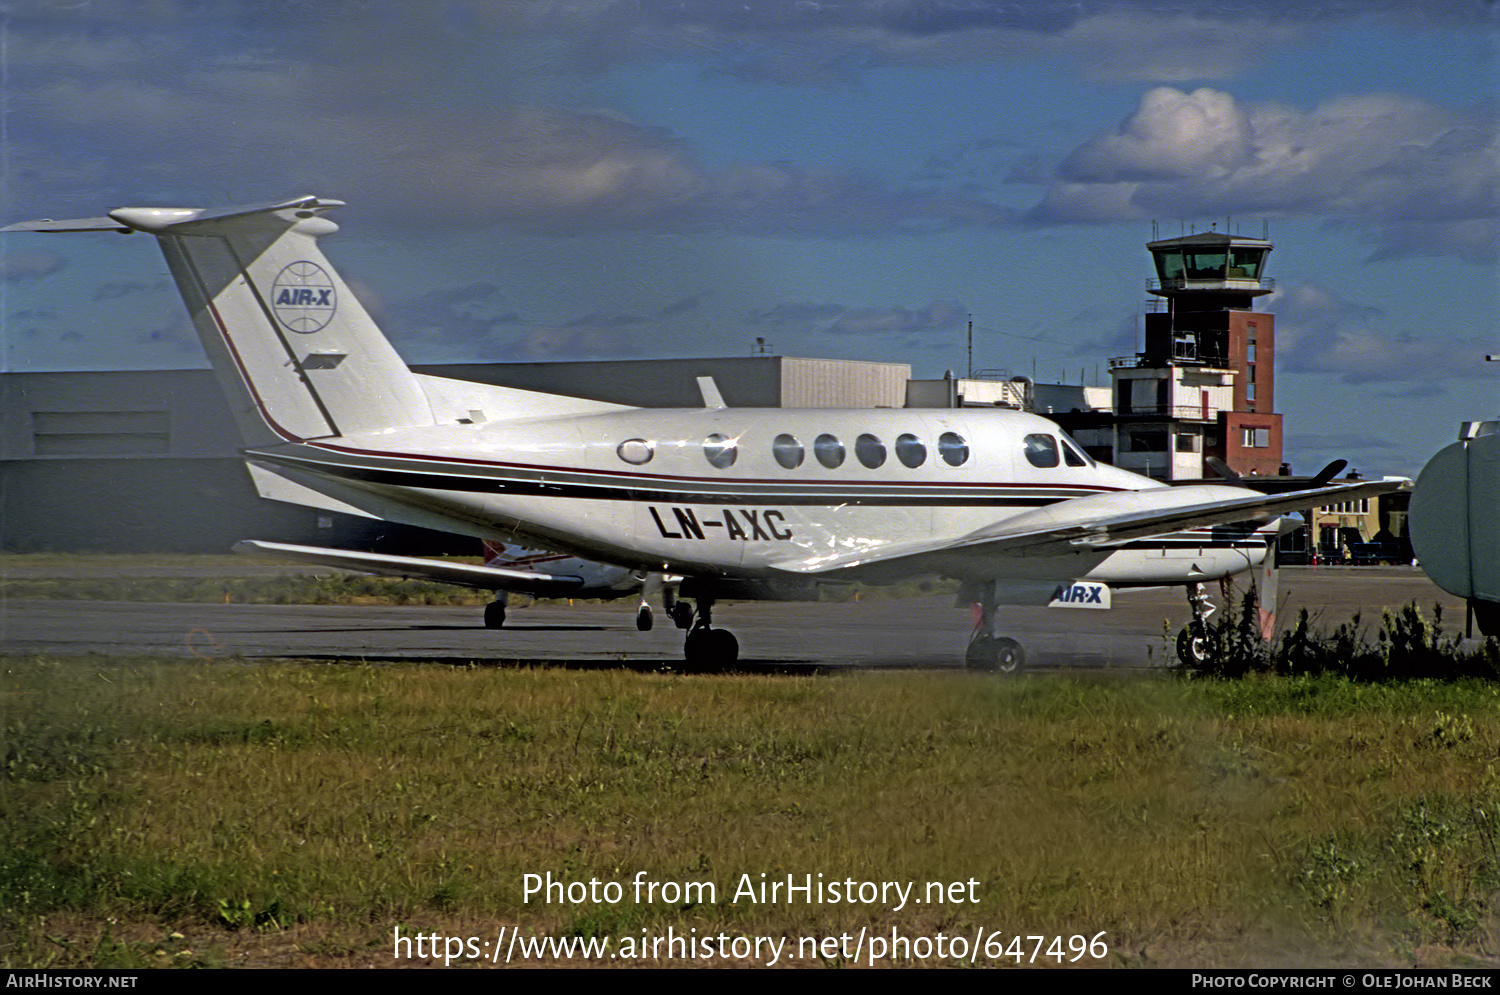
(1247, 284)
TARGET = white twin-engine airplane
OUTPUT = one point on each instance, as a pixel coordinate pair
(741, 503)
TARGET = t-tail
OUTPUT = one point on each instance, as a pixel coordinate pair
(298, 356)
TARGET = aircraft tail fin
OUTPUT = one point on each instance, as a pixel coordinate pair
(298, 356)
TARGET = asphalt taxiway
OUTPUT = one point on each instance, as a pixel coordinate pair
(915, 632)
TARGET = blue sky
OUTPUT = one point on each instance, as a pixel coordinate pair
(540, 180)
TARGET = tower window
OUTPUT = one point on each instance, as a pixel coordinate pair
(1169, 266)
(1244, 264)
(1206, 265)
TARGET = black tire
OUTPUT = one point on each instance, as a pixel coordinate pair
(1192, 647)
(710, 650)
(643, 619)
(1009, 656)
(725, 647)
(682, 615)
(995, 655)
(494, 615)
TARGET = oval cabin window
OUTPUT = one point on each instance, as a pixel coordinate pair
(636, 451)
(910, 451)
(720, 451)
(787, 450)
(870, 451)
(829, 451)
(953, 449)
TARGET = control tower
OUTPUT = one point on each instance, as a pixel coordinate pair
(1205, 383)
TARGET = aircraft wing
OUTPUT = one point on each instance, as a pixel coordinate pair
(461, 574)
(1101, 522)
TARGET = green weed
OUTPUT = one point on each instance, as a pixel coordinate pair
(1407, 645)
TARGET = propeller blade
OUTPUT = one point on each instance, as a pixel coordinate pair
(1328, 473)
(1222, 469)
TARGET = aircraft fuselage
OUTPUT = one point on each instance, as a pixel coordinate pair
(733, 492)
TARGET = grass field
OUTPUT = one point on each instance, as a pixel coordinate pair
(297, 814)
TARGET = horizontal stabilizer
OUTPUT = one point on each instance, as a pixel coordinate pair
(157, 220)
(76, 224)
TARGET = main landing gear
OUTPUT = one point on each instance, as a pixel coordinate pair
(987, 651)
(706, 648)
(494, 612)
(1192, 641)
(680, 612)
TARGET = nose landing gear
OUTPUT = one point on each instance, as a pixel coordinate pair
(1192, 641)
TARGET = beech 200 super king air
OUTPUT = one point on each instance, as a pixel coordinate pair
(741, 503)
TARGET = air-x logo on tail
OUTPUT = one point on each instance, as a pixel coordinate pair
(303, 297)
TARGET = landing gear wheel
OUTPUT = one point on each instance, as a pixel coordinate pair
(643, 619)
(696, 652)
(725, 647)
(711, 649)
(682, 615)
(995, 655)
(1009, 656)
(1192, 646)
(494, 615)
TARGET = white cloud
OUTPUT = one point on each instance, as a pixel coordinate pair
(1415, 178)
(1171, 136)
(387, 111)
(246, 126)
